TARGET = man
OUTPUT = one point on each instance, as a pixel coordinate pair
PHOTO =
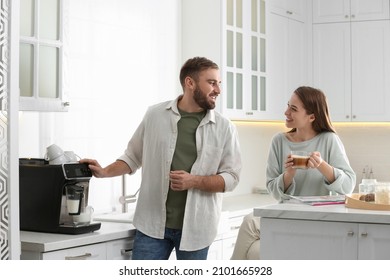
(189, 156)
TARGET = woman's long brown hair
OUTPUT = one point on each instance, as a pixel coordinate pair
(314, 101)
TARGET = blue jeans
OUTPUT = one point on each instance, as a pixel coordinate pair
(149, 248)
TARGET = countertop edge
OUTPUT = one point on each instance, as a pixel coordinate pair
(47, 242)
(335, 213)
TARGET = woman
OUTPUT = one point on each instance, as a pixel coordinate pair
(328, 170)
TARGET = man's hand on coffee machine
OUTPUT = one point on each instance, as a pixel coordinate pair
(97, 170)
(116, 168)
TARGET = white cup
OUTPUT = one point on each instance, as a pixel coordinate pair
(59, 160)
(70, 156)
(84, 217)
(53, 152)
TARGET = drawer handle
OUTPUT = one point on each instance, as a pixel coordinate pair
(80, 257)
(126, 252)
(350, 233)
(364, 234)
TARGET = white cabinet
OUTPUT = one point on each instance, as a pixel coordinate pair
(373, 242)
(231, 33)
(285, 239)
(349, 10)
(230, 236)
(294, 9)
(87, 252)
(41, 52)
(119, 249)
(351, 64)
(287, 54)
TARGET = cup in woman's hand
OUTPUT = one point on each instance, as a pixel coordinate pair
(300, 159)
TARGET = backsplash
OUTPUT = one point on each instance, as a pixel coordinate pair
(365, 144)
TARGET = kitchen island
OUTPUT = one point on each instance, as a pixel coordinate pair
(299, 231)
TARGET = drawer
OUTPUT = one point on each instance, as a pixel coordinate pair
(120, 249)
(234, 225)
(89, 252)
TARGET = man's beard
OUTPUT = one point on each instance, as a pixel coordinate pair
(201, 99)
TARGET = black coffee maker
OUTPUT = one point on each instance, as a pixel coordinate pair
(50, 196)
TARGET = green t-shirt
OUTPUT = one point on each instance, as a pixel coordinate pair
(183, 158)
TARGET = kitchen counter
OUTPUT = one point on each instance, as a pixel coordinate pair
(243, 202)
(299, 231)
(333, 213)
(46, 242)
(117, 226)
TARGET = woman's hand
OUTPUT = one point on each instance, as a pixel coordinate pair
(288, 165)
(289, 172)
(315, 160)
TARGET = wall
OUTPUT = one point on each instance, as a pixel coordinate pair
(121, 56)
(365, 144)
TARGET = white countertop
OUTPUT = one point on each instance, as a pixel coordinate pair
(45, 242)
(116, 226)
(242, 203)
(338, 213)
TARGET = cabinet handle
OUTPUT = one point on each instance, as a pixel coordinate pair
(249, 113)
(289, 12)
(347, 116)
(80, 257)
(350, 233)
(346, 16)
(364, 234)
(354, 116)
(126, 252)
(353, 16)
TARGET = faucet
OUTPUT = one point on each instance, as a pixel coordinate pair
(126, 199)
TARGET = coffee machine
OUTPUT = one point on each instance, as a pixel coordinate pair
(52, 196)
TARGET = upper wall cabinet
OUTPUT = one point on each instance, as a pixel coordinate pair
(41, 55)
(287, 52)
(351, 63)
(294, 9)
(232, 33)
(349, 10)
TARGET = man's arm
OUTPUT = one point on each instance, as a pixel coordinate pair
(182, 180)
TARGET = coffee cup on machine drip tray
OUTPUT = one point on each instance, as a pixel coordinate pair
(300, 159)
(85, 217)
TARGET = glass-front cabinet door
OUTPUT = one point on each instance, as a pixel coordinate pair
(244, 59)
(233, 34)
(41, 55)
